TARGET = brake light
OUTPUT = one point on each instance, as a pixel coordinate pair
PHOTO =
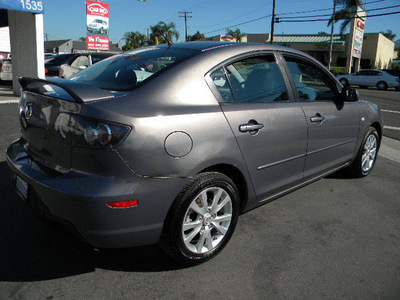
(123, 204)
(46, 71)
(89, 132)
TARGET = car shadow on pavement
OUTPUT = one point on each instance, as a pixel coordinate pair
(34, 250)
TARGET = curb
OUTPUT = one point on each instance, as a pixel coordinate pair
(390, 149)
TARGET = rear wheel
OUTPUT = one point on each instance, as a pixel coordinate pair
(382, 85)
(202, 219)
(366, 156)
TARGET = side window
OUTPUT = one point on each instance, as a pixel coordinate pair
(221, 82)
(257, 79)
(311, 82)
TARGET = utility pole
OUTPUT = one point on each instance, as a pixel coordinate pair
(272, 22)
(331, 41)
(185, 14)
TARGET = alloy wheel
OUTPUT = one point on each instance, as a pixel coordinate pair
(369, 153)
(207, 220)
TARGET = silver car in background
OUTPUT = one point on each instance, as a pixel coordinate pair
(366, 78)
(169, 144)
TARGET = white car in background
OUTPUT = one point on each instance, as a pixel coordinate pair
(98, 26)
(365, 78)
(6, 71)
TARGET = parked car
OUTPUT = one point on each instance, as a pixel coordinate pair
(365, 78)
(98, 26)
(76, 61)
(6, 71)
(173, 158)
(394, 72)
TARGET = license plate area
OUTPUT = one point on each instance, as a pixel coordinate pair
(21, 187)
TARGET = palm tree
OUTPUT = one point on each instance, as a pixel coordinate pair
(167, 29)
(237, 34)
(389, 34)
(345, 14)
(134, 39)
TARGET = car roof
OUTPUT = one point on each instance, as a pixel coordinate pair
(211, 45)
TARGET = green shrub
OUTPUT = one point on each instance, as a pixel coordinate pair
(338, 70)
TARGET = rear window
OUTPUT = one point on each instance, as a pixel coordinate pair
(58, 58)
(123, 72)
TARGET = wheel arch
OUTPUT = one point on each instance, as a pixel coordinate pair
(378, 128)
(236, 176)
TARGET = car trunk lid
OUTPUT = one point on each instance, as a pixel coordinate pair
(46, 106)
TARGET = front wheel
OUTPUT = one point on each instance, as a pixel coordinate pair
(382, 85)
(202, 219)
(367, 155)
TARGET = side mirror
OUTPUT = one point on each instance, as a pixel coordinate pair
(350, 94)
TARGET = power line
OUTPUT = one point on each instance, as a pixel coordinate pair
(329, 15)
(288, 21)
(280, 14)
(323, 9)
(243, 23)
(321, 20)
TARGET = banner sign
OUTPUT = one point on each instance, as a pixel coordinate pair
(358, 40)
(33, 6)
(97, 26)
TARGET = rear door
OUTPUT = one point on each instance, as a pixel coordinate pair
(270, 129)
(332, 127)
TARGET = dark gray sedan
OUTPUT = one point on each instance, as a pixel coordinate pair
(169, 144)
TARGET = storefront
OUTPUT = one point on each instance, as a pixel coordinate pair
(25, 19)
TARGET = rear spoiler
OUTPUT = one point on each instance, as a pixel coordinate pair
(64, 89)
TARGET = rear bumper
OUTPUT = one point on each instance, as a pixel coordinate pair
(79, 199)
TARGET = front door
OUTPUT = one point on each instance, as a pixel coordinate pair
(332, 127)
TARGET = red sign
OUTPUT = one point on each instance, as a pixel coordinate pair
(97, 25)
(360, 25)
(100, 43)
(94, 8)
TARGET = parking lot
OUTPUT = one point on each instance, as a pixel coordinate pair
(337, 238)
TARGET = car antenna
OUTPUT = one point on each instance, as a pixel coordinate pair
(164, 36)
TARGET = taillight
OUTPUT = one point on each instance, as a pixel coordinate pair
(89, 132)
(46, 71)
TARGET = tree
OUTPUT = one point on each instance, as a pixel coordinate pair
(134, 39)
(168, 29)
(323, 33)
(237, 34)
(197, 36)
(345, 15)
(82, 38)
(389, 34)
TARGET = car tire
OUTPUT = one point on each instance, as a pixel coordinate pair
(381, 85)
(366, 156)
(344, 82)
(202, 219)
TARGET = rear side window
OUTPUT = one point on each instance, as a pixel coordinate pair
(123, 72)
(254, 79)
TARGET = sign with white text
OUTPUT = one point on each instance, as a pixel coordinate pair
(33, 6)
(97, 26)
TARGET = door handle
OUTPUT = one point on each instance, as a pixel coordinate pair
(317, 118)
(252, 126)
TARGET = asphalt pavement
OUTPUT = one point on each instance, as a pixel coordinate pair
(337, 238)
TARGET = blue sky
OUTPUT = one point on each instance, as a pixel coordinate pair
(67, 19)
